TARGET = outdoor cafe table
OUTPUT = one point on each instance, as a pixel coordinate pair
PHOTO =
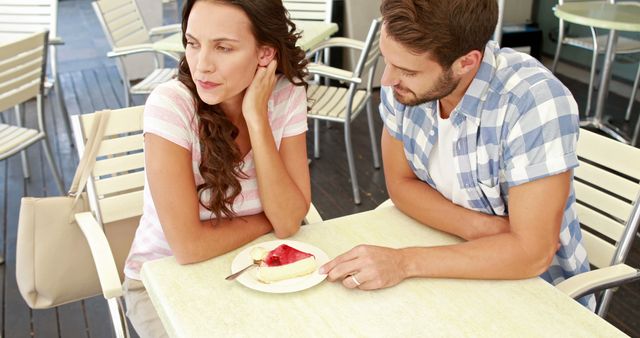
(623, 16)
(196, 301)
(312, 33)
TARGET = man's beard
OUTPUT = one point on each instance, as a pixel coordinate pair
(444, 86)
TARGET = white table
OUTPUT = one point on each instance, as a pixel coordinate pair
(614, 17)
(312, 33)
(196, 301)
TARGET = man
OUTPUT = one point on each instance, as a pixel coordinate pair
(478, 142)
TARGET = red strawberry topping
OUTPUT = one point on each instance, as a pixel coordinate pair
(284, 254)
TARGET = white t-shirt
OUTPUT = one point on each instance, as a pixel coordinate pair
(441, 162)
(170, 113)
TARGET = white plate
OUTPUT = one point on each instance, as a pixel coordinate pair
(250, 280)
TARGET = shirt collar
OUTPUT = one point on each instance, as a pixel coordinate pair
(470, 105)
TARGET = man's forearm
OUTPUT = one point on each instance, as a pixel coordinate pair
(425, 204)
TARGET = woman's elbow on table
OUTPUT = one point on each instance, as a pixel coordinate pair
(287, 230)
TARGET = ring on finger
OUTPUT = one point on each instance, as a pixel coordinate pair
(355, 280)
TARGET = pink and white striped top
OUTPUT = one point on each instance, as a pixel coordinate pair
(170, 113)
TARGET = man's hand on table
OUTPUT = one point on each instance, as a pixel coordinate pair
(367, 267)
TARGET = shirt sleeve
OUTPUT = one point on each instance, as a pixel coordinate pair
(296, 122)
(169, 113)
(542, 141)
(391, 117)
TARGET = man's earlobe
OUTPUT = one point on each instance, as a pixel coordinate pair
(467, 62)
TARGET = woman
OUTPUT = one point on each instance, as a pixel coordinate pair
(225, 148)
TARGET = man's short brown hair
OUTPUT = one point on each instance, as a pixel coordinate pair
(447, 29)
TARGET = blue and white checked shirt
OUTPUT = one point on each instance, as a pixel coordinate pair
(515, 124)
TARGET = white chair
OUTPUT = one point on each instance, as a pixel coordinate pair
(608, 197)
(19, 17)
(22, 72)
(344, 104)
(313, 10)
(115, 193)
(596, 43)
(127, 34)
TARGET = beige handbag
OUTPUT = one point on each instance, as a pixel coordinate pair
(54, 265)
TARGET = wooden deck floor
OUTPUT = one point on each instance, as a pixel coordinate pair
(88, 85)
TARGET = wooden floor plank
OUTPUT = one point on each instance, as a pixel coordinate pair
(95, 95)
(106, 88)
(45, 323)
(98, 320)
(72, 321)
(116, 85)
(82, 92)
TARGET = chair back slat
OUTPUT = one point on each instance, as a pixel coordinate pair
(607, 186)
(599, 251)
(117, 184)
(117, 181)
(603, 224)
(121, 207)
(118, 164)
(615, 183)
(28, 16)
(121, 145)
(311, 10)
(596, 198)
(598, 149)
(22, 66)
(121, 22)
(129, 121)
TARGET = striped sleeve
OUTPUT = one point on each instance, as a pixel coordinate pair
(542, 142)
(296, 116)
(169, 113)
(389, 117)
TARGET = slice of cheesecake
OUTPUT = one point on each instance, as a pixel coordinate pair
(284, 262)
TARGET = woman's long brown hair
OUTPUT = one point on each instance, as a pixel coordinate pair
(221, 162)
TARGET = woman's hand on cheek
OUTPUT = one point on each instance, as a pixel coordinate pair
(256, 98)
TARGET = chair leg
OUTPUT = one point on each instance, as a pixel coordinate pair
(118, 317)
(56, 176)
(605, 300)
(636, 134)
(127, 95)
(316, 138)
(556, 57)
(63, 108)
(372, 135)
(351, 162)
(632, 98)
(23, 154)
(592, 77)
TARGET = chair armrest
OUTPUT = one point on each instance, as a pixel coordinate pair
(312, 216)
(596, 280)
(332, 73)
(102, 255)
(56, 41)
(336, 42)
(164, 30)
(140, 48)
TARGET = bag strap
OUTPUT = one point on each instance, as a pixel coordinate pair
(88, 160)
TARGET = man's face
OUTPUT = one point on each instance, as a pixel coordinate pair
(415, 78)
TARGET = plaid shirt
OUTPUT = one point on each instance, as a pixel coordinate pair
(515, 124)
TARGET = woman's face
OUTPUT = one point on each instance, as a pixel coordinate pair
(221, 51)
